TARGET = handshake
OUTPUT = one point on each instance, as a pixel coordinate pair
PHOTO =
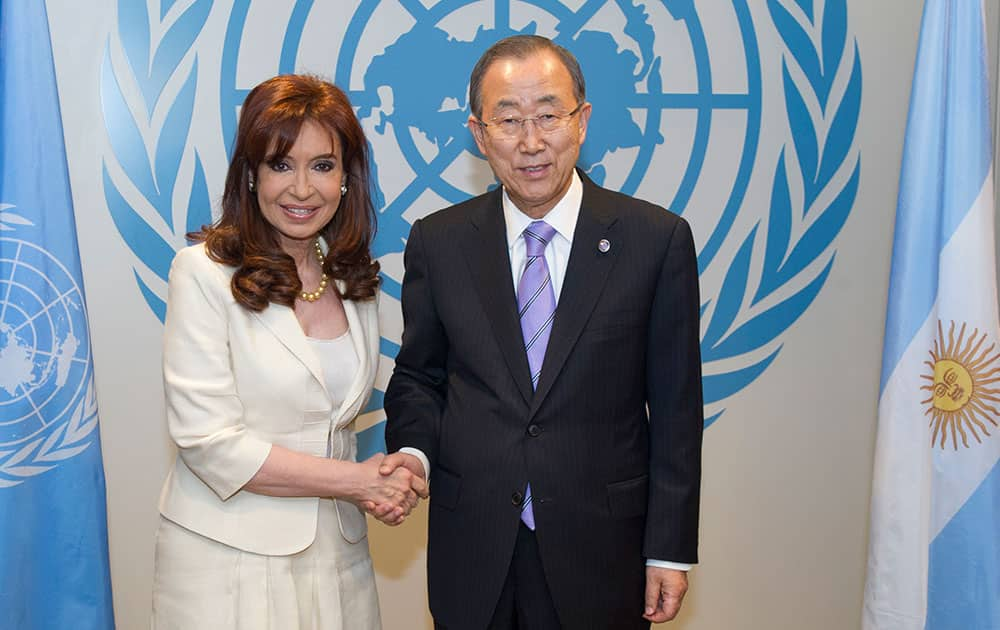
(392, 486)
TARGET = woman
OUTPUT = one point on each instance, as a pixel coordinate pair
(270, 349)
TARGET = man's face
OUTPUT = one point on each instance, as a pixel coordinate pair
(535, 166)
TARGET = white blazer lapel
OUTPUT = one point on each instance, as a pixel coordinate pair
(360, 322)
(283, 324)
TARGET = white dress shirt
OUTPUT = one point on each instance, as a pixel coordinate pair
(562, 217)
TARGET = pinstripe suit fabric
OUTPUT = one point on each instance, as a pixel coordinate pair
(613, 483)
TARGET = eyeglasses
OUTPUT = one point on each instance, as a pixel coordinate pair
(511, 127)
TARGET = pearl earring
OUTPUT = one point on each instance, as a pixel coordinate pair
(343, 189)
(251, 185)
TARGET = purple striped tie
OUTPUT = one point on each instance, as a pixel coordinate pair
(536, 305)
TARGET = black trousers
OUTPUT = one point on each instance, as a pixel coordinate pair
(525, 601)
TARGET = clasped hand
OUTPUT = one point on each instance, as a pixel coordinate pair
(391, 486)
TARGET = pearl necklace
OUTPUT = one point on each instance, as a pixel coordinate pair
(323, 280)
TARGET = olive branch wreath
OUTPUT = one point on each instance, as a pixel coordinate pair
(809, 197)
(153, 171)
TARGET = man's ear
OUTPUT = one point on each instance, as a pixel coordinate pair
(584, 116)
(478, 134)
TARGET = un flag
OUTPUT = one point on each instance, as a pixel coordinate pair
(53, 525)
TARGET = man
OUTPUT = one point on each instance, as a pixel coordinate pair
(549, 375)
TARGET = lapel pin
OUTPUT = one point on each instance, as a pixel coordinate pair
(603, 245)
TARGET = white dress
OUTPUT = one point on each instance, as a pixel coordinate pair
(203, 584)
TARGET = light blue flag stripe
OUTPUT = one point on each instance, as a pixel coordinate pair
(949, 117)
(54, 570)
(963, 590)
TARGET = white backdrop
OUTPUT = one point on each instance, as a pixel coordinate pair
(787, 464)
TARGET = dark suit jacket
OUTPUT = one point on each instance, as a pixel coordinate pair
(611, 439)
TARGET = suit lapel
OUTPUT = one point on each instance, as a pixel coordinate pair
(586, 274)
(486, 249)
(283, 324)
(358, 320)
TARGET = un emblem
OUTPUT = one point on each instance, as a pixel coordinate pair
(760, 160)
(47, 398)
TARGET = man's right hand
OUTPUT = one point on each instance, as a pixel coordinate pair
(410, 462)
(395, 464)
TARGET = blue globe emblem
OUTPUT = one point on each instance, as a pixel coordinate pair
(650, 135)
(646, 94)
(657, 94)
(45, 366)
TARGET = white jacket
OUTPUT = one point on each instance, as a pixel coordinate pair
(237, 382)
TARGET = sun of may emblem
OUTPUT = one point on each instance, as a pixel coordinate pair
(962, 386)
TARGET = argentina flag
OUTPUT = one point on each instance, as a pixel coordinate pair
(934, 547)
(53, 525)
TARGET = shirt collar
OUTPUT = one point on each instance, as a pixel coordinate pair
(562, 217)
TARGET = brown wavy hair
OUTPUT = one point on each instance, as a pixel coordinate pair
(270, 120)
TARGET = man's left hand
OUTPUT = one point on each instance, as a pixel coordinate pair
(665, 589)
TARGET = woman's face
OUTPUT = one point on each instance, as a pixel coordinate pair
(299, 193)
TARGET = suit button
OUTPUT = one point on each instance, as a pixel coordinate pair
(534, 430)
(517, 498)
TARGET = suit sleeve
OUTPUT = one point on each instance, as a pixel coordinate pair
(674, 396)
(204, 411)
(415, 396)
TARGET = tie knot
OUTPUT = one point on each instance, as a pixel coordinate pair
(536, 236)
